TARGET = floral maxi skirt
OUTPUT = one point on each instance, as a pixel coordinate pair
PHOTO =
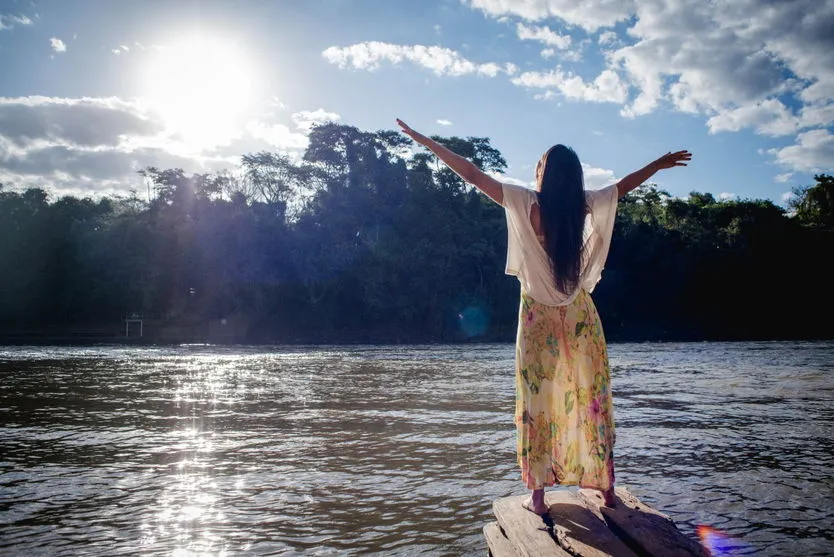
(564, 416)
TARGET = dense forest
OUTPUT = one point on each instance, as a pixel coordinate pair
(364, 240)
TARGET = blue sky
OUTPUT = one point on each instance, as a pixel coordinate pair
(92, 91)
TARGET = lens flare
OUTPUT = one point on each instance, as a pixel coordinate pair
(473, 321)
(718, 543)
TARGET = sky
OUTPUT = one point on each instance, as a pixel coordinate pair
(92, 91)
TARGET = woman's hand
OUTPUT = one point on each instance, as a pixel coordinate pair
(415, 135)
(670, 160)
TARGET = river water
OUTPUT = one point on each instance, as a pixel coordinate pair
(390, 450)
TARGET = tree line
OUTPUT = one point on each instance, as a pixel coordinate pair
(364, 240)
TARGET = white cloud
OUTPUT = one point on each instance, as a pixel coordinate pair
(709, 58)
(514, 181)
(96, 145)
(606, 87)
(817, 115)
(726, 196)
(71, 163)
(596, 178)
(608, 37)
(305, 120)
(57, 44)
(745, 64)
(783, 178)
(273, 106)
(124, 47)
(10, 21)
(87, 143)
(443, 122)
(115, 51)
(588, 14)
(277, 135)
(787, 196)
(88, 122)
(704, 57)
(768, 117)
(543, 34)
(813, 152)
(440, 60)
(557, 45)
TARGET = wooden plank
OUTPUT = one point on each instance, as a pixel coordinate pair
(579, 531)
(528, 532)
(646, 530)
(499, 545)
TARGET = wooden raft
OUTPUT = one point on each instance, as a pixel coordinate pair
(579, 525)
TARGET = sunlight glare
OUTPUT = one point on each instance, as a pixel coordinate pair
(201, 88)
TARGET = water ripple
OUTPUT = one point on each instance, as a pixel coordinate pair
(200, 450)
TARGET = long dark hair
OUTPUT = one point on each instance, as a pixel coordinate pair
(562, 209)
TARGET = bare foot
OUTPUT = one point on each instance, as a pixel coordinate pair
(609, 498)
(535, 506)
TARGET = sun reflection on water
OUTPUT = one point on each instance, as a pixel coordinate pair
(188, 512)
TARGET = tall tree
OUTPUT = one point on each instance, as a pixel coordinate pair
(814, 205)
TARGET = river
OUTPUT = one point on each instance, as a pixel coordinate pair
(389, 450)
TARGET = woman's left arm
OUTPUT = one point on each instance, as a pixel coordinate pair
(635, 179)
(460, 165)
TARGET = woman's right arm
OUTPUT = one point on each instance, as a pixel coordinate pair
(669, 160)
(460, 165)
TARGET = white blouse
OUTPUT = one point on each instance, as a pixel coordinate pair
(528, 260)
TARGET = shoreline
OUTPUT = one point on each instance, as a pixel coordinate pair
(146, 342)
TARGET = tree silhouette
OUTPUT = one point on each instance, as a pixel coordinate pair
(364, 239)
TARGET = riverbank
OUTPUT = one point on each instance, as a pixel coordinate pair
(157, 332)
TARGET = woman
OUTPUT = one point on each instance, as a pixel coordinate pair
(558, 239)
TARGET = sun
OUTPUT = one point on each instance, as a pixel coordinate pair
(201, 88)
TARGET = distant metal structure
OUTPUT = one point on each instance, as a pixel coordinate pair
(134, 318)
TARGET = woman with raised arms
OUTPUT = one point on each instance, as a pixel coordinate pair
(558, 240)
